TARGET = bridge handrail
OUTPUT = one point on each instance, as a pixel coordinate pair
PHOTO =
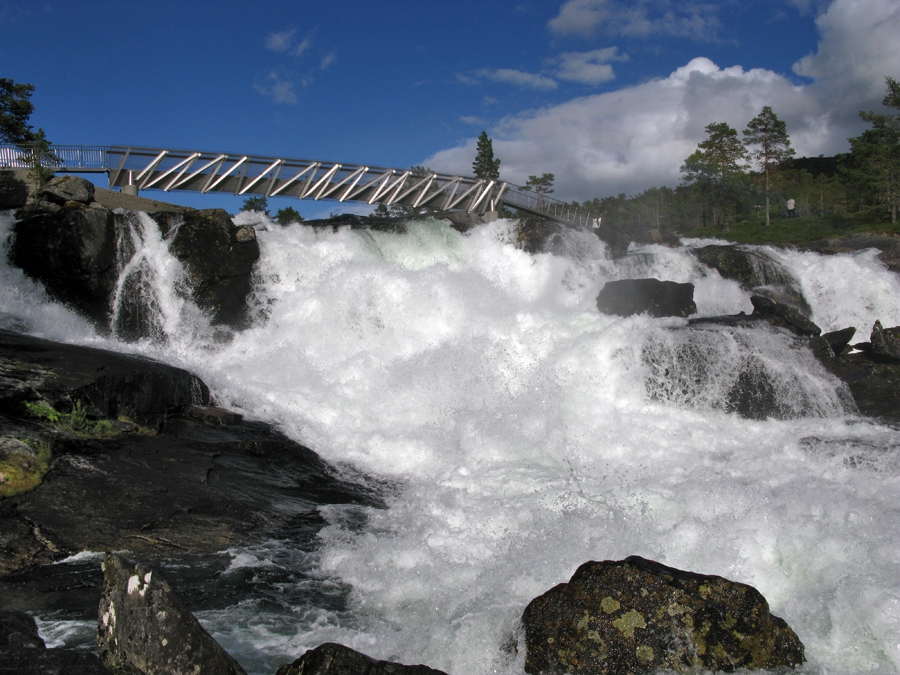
(527, 200)
(66, 157)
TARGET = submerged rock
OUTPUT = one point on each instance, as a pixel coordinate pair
(144, 628)
(638, 616)
(336, 659)
(656, 298)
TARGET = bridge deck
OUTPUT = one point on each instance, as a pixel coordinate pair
(204, 172)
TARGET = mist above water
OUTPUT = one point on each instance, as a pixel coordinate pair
(526, 433)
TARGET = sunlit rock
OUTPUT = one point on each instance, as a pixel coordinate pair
(652, 296)
(64, 189)
(144, 628)
(335, 659)
(638, 616)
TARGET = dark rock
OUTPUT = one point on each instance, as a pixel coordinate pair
(108, 384)
(19, 630)
(13, 189)
(50, 662)
(735, 320)
(656, 298)
(751, 268)
(796, 322)
(144, 628)
(64, 189)
(72, 250)
(198, 480)
(638, 616)
(336, 659)
(886, 342)
(218, 257)
(839, 340)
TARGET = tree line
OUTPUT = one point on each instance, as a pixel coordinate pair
(754, 176)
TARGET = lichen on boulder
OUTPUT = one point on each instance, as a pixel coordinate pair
(639, 616)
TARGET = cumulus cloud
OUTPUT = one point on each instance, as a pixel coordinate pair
(637, 18)
(588, 67)
(277, 88)
(283, 42)
(518, 78)
(637, 137)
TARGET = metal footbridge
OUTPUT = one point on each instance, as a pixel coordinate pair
(133, 169)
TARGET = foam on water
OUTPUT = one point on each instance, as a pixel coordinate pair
(527, 434)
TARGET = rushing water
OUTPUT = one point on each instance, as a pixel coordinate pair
(526, 434)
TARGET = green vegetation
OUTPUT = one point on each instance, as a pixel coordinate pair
(540, 185)
(288, 215)
(23, 465)
(15, 110)
(256, 203)
(742, 187)
(485, 165)
(76, 421)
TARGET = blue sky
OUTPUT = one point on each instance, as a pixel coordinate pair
(610, 96)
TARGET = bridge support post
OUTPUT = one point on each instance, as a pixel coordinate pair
(490, 216)
(130, 188)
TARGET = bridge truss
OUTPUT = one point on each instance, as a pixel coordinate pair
(137, 168)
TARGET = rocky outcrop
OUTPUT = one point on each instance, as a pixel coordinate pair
(144, 628)
(69, 243)
(140, 462)
(888, 246)
(871, 372)
(652, 296)
(13, 188)
(335, 659)
(23, 652)
(218, 257)
(638, 616)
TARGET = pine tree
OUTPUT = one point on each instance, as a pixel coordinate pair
(15, 109)
(876, 152)
(485, 166)
(540, 185)
(773, 145)
(717, 166)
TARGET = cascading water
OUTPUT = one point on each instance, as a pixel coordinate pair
(526, 433)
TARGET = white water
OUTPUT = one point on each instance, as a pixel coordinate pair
(528, 433)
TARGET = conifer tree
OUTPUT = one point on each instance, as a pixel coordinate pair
(540, 185)
(876, 152)
(717, 165)
(485, 166)
(768, 135)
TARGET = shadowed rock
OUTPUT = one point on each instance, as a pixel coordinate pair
(638, 616)
(144, 628)
(656, 298)
(794, 320)
(22, 651)
(335, 659)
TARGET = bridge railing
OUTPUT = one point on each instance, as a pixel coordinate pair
(525, 200)
(75, 158)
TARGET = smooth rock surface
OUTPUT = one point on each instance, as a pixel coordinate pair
(144, 628)
(656, 298)
(638, 616)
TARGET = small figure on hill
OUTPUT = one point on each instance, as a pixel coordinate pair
(791, 205)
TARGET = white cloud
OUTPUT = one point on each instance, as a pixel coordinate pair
(327, 61)
(278, 87)
(470, 119)
(641, 18)
(637, 137)
(588, 67)
(280, 42)
(518, 78)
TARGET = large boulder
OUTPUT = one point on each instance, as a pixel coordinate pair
(23, 652)
(64, 189)
(218, 257)
(638, 616)
(336, 659)
(144, 628)
(652, 296)
(71, 249)
(784, 315)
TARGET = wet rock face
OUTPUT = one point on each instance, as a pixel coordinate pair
(336, 659)
(218, 257)
(22, 651)
(638, 616)
(656, 298)
(144, 628)
(71, 249)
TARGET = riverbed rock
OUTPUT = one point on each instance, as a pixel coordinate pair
(638, 616)
(64, 189)
(888, 246)
(336, 659)
(175, 475)
(886, 342)
(23, 652)
(218, 257)
(144, 628)
(792, 319)
(71, 249)
(637, 296)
